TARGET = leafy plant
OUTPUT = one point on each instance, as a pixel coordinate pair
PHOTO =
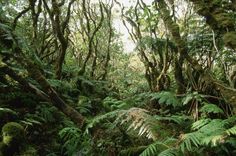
(71, 138)
(112, 104)
(167, 98)
(211, 108)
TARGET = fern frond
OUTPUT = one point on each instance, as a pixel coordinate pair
(139, 120)
(200, 123)
(213, 140)
(111, 103)
(71, 137)
(190, 141)
(211, 108)
(101, 118)
(154, 149)
(174, 118)
(167, 98)
(7, 110)
(169, 152)
(231, 131)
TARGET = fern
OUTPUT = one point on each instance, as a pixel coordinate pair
(7, 110)
(100, 118)
(46, 112)
(179, 119)
(213, 140)
(84, 104)
(113, 104)
(211, 108)
(231, 131)
(167, 98)
(192, 96)
(200, 123)
(190, 141)
(140, 121)
(154, 149)
(169, 152)
(163, 148)
(71, 138)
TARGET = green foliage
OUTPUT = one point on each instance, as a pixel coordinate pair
(84, 104)
(111, 103)
(4, 111)
(167, 98)
(46, 113)
(100, 118)
(140, 121)
(231, 131)
(161, 148)
(192, 96)
(211, 108)
(71, 137)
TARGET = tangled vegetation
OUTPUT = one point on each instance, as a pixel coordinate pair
(69, 86)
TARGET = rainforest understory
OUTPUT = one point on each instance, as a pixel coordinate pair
(72, 85)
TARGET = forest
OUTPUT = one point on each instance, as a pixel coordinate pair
(117, 77)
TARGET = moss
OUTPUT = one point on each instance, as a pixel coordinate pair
(12, 133)
(224, 20)
(230, 39)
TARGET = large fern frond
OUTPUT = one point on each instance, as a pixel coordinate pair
(139, 120)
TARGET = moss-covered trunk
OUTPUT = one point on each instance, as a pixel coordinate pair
(229, 94)
(36, 73)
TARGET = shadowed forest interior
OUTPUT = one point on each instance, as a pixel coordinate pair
(117, 77)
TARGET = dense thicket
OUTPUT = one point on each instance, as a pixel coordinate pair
(69, 87)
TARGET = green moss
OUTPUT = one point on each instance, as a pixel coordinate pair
(224, 20)
(12, 133)
(230, 39)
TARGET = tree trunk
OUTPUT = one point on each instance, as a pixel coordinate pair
(229, 94)
(36, 73)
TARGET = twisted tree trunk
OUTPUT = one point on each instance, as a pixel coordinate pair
(36, 73)
(229, 94)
